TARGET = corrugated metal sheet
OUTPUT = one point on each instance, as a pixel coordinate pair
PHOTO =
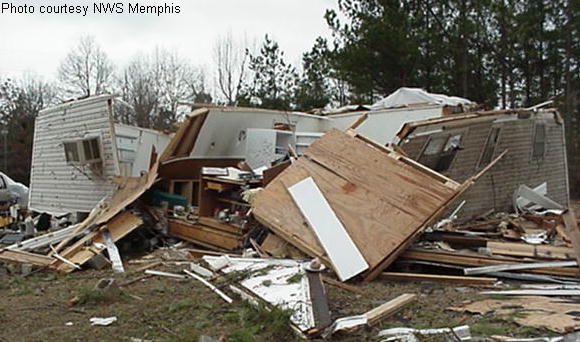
(57, 187)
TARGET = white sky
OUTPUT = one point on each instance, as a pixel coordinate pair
(36, 43)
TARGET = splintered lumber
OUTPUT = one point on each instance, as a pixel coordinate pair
(468, 260)
(523, 266)
(372, 317)
(389, 308)
(91, 244)
(343, 253)
(438, 278)
(531, 251)
(25, 257)
(383, 199)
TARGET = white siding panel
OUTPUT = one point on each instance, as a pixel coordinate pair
(60, 188)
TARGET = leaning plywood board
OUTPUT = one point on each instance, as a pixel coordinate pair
(343, 253)
(383, 199)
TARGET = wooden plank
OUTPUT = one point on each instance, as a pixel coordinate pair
(438, 278)
(472, 260)
(531, 251)
(343, 253)
(389, 308)
(81, 226)
(25, 257)
(358, 121)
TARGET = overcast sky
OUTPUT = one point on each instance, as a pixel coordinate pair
(36, 43)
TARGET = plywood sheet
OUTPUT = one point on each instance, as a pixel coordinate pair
(343, 253)
(382, 198)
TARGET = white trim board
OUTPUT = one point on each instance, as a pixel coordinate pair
(343, 253)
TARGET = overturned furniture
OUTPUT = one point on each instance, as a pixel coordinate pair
(382, 199)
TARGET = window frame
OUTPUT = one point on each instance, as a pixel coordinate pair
(440, 154)
(95, 149)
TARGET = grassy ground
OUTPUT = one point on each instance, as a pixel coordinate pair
(37, 308)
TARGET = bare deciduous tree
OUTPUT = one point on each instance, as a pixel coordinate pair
(86, 70)
(230, 60)
(154, 84)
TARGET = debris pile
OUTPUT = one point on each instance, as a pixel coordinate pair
(346, 206)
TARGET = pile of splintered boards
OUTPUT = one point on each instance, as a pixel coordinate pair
(354, 205)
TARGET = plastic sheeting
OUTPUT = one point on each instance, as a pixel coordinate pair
(403, 97)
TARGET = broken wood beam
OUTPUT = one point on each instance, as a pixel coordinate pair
(358, 122)
(25, 257)
(389, 308)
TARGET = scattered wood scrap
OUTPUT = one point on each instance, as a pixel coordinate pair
(554, 314)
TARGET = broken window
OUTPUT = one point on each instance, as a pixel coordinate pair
(82, 151)
(440, 151)
(539, 145)
(489, 148)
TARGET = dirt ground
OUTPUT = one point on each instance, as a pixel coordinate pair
(36, 308)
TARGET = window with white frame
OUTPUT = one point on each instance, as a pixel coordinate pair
(85, 151)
